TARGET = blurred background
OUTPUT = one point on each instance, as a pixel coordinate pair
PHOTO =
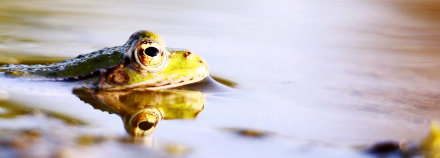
(320, 77)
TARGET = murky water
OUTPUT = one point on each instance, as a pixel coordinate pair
(317, 78)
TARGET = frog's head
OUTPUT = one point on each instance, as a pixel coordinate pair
(149, 64)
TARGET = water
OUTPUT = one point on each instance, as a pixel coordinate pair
(322, 77)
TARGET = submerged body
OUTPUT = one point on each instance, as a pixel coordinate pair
(143, 61)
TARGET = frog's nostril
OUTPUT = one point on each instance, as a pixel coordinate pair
(145, 125)
(187, 54)
(151, 51)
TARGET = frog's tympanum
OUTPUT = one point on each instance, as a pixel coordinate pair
(141, 110)
(143, 61)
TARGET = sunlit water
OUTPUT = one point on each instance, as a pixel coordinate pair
(322, 77)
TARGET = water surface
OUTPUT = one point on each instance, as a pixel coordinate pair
(321, 78)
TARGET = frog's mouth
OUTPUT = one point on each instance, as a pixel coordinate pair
(119, 81)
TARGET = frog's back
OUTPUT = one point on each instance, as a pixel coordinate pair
(83, 65)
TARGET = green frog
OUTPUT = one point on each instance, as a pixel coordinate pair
(141, 109)
(142, 62)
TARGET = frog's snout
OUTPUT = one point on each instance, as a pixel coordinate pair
(201, 65)
(203, 70)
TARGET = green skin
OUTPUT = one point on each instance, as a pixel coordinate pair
(117, 67)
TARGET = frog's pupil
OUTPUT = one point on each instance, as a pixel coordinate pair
(145, 125)
(151, 51)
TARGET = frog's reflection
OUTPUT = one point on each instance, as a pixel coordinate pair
(141, 110)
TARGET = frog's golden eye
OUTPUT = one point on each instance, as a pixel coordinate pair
(143, 122)
(150, 56)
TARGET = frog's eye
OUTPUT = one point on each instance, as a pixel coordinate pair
(150, 56)
(143, 122)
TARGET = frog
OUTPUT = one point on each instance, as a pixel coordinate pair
(143, 61)
(141, 110)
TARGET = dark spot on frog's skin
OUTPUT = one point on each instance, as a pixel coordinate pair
(200, 61)
(186, 54)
